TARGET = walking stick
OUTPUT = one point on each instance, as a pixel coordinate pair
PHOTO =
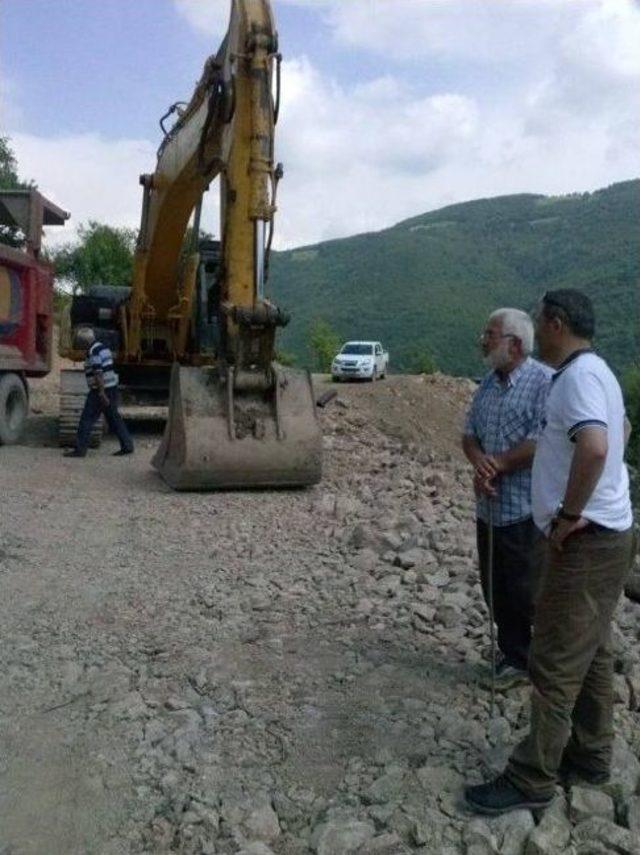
(492, 631)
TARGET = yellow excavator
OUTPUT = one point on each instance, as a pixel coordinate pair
(196, 323)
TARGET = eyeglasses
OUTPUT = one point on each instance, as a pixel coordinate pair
(491, 334)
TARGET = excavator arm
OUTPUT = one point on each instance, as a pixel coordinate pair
(243, 420)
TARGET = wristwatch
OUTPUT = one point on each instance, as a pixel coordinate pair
(565, 515)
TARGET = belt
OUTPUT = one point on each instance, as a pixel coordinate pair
(594, 528)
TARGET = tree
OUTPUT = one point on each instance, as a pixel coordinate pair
(9, 180)
(8, 166)
(101, 255)
(324, 343)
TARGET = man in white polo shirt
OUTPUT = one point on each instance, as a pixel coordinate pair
(580, 498)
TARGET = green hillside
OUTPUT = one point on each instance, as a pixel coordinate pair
(428, 282)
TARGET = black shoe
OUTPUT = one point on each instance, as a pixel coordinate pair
(75, 453)
(500, 796)
(570, 773)
(122, 452)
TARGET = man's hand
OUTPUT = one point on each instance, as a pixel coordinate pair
(487, 466)
(561, 529)
(104, 398)
(483, 486)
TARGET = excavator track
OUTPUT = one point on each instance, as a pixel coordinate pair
(73, 391)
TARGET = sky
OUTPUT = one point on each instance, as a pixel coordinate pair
(390, 108)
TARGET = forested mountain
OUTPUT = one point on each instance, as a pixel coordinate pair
(428, 283)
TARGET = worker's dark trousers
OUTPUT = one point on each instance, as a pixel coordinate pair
(93, 408)
(571, 661)
(516, 558)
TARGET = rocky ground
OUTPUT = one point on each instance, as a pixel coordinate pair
(273, 672)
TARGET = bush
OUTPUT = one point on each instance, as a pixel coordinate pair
(285, 358)
(61, 300)
(422, 362)
(324, 343)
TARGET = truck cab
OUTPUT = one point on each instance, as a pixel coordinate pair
(363, 360)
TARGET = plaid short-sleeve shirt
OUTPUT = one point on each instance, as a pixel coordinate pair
(502, 415)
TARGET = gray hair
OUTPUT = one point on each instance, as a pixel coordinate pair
(517, 323)
(84, 337)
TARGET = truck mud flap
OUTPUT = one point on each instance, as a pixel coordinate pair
(218, 437)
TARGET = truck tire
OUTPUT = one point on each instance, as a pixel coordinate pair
(14, 408)
(73, 391)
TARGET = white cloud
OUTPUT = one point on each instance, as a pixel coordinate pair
(87, 175)
(363, 157)
(206, 16)
(487, 31)
(360, 155)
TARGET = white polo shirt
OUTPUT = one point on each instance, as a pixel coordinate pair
(584, 393)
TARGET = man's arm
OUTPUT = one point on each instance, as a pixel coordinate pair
(99, 378)
(586, 468)
(518, 457)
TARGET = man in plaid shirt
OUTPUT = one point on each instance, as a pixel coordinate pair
(500, 434)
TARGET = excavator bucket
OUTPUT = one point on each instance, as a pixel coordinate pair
(220, 437)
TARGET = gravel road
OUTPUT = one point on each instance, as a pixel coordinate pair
(264, 672)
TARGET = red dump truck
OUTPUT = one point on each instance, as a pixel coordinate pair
(26, 305)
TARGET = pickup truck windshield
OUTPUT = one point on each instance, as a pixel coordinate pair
(358, 349)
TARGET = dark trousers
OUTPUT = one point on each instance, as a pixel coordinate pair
(571, 661)
(92, 410)
(516, 556)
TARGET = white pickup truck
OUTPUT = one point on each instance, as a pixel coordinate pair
(365, 360)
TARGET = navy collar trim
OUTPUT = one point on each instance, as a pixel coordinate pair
(567, 362)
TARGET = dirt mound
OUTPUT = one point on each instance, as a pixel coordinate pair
(426, 410)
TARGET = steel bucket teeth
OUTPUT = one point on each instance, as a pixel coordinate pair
(217, 440)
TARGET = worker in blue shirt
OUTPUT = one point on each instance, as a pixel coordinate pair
(101, 399)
